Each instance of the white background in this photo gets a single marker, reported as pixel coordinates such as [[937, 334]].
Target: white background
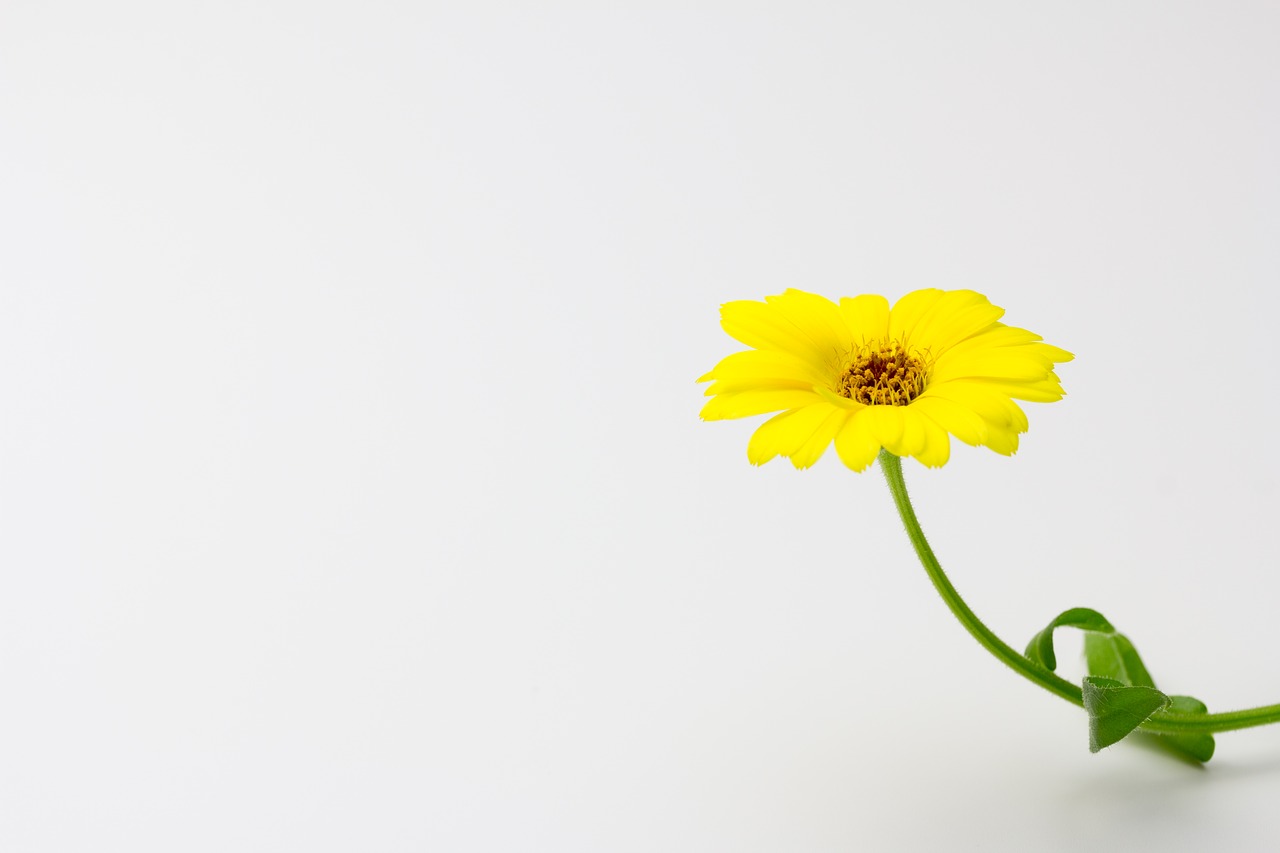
[[352, 491]]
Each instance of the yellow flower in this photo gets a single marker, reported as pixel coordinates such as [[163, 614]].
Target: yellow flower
[[866, 377]]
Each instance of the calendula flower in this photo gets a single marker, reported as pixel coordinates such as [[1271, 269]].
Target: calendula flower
[[864, 377]]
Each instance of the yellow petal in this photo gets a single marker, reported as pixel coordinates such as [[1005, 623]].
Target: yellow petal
[[952, 317], [994, 407], [1046, 391], [867, 318], [816, 445], [742, 386], [761, 326], [960, 421], [818, 318], [762, 364], [998, 335], [791, 432], [886, 425], [763, 445], [836, 400], [1017, 364], [1055, 354], [777, 436], [909, 311], [856, 442], [1004, 442], [1003, 418], [750, 403], [937, 445], [914, 434]]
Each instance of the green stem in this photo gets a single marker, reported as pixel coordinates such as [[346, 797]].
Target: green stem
[[1159, 723]]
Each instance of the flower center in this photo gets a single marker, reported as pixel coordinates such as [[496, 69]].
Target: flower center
[[882, 374]]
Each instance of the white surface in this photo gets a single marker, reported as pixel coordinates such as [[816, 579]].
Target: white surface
[[352, 494]]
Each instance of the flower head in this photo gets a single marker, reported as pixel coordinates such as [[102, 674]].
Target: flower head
[[865, 376]]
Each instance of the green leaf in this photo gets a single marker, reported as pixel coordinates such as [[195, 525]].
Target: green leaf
[[1113, 656], [1197, 746], [1040, 649], [1119, 692], [1116, 709]]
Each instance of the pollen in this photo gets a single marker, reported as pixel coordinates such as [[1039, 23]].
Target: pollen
[[883, 374]]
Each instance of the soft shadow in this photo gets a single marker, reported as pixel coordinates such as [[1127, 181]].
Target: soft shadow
[[1221, 766], [1176, 772], [1157, 744]]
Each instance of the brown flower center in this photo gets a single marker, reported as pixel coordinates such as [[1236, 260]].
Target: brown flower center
[[882, 374]]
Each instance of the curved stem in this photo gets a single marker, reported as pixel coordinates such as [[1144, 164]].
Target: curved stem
[[1162, 723], [892, 467]]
